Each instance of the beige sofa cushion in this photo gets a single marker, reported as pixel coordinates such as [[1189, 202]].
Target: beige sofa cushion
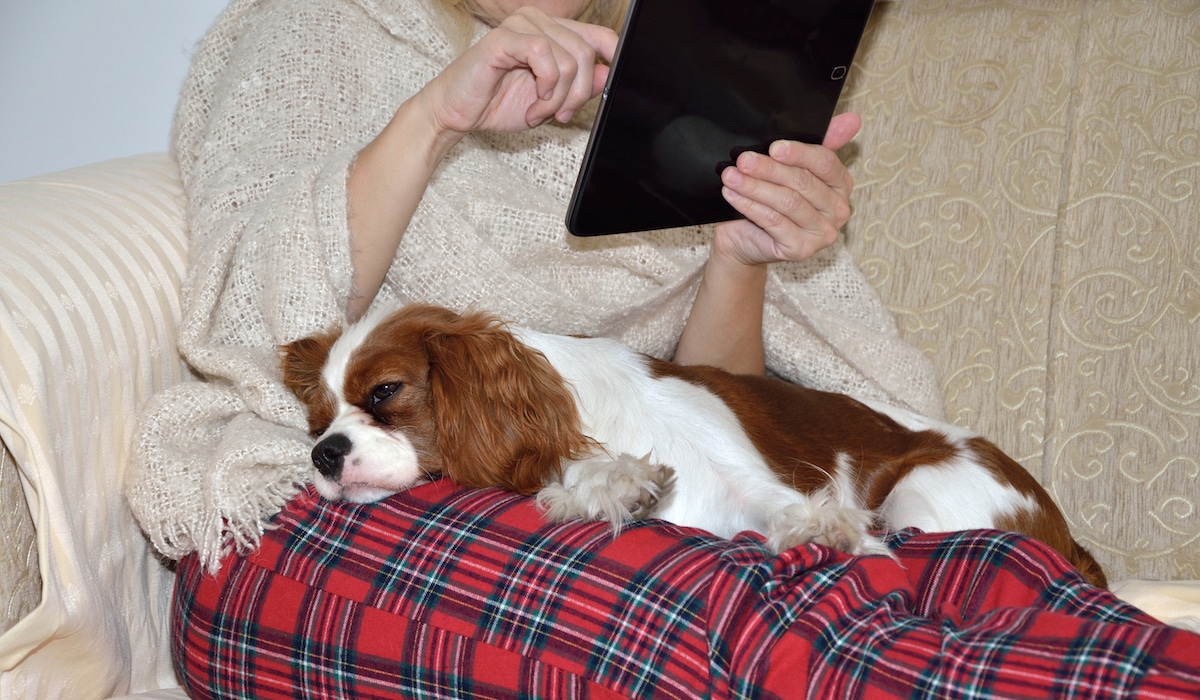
[[89, 278]]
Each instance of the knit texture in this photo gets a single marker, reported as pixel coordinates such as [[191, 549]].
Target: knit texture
[[280, 98]]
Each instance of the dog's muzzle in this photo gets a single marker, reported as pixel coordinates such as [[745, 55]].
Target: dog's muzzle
[[329, 454]]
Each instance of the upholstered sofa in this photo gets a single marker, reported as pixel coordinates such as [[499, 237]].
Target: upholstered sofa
[[1026, 204]]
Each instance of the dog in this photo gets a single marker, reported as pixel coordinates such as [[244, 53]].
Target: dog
[[598, 431]]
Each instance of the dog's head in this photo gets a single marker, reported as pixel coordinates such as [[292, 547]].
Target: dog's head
[[406, 395]]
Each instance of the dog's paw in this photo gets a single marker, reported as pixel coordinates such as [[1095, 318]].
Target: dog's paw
[[558, 503], [641, 486], [608, 489], [825, 519]]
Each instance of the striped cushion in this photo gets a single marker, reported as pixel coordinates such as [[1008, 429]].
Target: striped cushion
[[90, 269], [446, 592]]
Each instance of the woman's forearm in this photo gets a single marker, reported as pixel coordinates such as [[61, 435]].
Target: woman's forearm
[[384, 187], [724, 328]]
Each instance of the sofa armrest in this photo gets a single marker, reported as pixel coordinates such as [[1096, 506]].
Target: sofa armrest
[[92, 263]]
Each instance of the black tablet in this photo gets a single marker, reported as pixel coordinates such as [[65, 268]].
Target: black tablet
[[693, 84]]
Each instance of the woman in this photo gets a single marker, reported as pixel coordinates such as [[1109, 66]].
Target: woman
[[340, 154]]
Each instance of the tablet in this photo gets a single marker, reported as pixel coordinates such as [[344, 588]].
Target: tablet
[[693, 84]]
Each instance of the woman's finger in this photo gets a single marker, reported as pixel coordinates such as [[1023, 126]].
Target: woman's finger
[[782, 238], [807, 167], [795, 193], [842, 129], [795, 199], [591, 48], [527, 70], [575, 47]]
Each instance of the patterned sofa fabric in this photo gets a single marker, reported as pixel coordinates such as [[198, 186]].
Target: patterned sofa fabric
[[21, 583], [1026, 206]]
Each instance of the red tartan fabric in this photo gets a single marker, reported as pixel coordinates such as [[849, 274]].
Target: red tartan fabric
[[445, 592]]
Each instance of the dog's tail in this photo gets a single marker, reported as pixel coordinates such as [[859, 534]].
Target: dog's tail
[[1087, 565]]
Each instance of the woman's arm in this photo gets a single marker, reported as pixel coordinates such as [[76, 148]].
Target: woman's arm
[[528, 70], [724, 328], [795, 201], [385, 185]]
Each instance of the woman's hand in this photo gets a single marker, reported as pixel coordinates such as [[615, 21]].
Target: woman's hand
[[532, 67], [795, 200]]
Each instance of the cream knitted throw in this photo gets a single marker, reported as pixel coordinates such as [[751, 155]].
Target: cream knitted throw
[[281, 96]]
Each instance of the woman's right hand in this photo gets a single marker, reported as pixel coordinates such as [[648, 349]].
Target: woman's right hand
[[531, 68]]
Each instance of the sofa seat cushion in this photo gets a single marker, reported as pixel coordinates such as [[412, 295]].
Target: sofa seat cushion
[[467, 593]]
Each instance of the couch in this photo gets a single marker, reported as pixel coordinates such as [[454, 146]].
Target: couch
[[1025, 204]]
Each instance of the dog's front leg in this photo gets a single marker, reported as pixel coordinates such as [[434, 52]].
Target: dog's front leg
[[607, 488]]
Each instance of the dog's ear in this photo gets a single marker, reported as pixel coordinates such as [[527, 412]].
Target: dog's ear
[[302, 361], [504, 415]]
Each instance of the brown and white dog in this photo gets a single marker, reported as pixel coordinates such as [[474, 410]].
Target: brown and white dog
[[601, 432]]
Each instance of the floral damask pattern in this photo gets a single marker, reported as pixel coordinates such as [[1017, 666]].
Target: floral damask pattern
[[20, 585], [1026, 205]]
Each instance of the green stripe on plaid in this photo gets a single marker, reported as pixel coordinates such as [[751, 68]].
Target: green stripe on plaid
[[533, 587], [654, 603], [445, 531]]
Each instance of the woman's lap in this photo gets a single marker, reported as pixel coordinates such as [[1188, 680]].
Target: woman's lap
[[444, 592]]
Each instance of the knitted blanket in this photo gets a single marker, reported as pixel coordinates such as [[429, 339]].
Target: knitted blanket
[[280, 98]]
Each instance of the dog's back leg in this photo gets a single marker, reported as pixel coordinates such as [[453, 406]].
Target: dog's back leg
[[831, 516]]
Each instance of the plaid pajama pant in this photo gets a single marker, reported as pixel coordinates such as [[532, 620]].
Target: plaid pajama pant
[[445, 592]]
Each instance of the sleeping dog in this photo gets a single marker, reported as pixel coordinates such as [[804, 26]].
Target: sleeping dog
[[600, 432]]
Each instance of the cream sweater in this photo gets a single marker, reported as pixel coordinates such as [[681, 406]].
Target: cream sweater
[[280, 98]]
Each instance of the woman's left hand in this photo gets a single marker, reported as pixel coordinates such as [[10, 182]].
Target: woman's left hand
[[795, 200]]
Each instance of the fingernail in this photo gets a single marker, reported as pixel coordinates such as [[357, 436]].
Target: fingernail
[[732, 176]]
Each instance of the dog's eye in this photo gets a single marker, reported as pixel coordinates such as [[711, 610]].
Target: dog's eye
[[383, 392]]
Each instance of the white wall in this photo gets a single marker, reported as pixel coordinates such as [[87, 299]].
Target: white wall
[[87, 80]]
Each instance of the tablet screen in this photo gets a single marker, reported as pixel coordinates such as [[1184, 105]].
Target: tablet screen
[[696, 82]]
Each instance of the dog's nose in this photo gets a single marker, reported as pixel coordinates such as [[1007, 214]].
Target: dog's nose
[[328, 454]]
